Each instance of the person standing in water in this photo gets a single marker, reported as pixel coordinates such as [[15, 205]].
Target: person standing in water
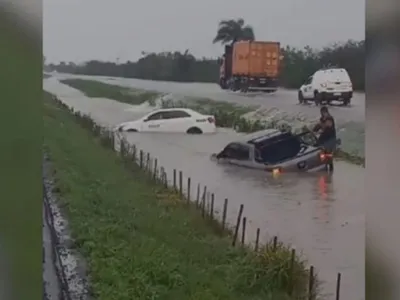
[[327, 129]]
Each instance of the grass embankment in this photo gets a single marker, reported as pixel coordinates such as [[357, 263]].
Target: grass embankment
[[140, 241], [97, 89]]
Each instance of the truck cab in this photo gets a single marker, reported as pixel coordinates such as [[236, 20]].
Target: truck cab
[[222, 81]]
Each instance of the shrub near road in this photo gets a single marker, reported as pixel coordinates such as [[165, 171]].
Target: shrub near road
[[227, 114], [96, 89], [140, 242]]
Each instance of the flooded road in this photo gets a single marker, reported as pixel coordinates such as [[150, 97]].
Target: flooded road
[[285, 100], [321, 215]]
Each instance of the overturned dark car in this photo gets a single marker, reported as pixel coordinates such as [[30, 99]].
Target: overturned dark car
[[275, 151]]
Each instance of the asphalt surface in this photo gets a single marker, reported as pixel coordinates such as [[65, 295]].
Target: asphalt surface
[[321, 215]]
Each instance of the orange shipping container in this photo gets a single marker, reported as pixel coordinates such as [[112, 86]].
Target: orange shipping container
[[256, 59]]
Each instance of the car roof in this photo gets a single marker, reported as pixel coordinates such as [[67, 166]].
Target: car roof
[[332, 72], [188, 110], [262, 134]]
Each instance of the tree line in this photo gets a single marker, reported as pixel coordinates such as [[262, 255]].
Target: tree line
[[297, 64]]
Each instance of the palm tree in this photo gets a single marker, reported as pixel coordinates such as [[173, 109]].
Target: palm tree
[[230, 31]]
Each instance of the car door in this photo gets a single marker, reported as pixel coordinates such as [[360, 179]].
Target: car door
[[307, 89], [154, 122], [176, 121]]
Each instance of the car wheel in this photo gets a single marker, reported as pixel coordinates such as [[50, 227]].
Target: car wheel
[[317, 98], [301, 98], [346, 101], [131, 130], [194, 130]]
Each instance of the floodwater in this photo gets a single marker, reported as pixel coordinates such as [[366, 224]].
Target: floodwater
[[320, 215], [285, 100]]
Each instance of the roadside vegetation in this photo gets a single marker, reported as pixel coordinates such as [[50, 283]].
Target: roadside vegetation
[[140, 240], [233, 116], [296, 67], [228, 115], [97, 89]]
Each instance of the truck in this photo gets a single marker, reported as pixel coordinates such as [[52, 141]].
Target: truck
[[250, 66]]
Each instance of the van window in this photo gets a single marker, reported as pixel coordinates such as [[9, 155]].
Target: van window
[[334, 75], [309, 80]]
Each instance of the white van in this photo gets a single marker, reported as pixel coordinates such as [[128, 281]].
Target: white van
[[326, 86]]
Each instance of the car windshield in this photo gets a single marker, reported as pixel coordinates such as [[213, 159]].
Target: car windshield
[[308, 138]]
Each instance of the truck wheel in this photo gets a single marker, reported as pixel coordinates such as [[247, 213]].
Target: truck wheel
[[317, 98], [222, 84], [244, 87], [233, 86]]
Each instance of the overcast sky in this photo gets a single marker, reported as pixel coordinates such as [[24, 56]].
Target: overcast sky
[[79, 30]]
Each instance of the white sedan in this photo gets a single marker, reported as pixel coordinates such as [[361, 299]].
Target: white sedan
[[172, 120]]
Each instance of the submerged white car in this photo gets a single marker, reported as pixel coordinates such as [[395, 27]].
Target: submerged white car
[[183, 120]]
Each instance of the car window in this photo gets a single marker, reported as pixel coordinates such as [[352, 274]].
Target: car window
[[176, 114], [156, 116], [309, 80], [308, 138], [237, 151]]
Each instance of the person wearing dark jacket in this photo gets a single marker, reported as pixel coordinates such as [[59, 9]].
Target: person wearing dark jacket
[[327, 129]]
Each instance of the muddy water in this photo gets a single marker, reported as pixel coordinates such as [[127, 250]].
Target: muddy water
[[321, 215]]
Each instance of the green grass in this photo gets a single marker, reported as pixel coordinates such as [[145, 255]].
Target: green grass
[[96, 89], [208, 106], [140, 241], [223, 106]]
